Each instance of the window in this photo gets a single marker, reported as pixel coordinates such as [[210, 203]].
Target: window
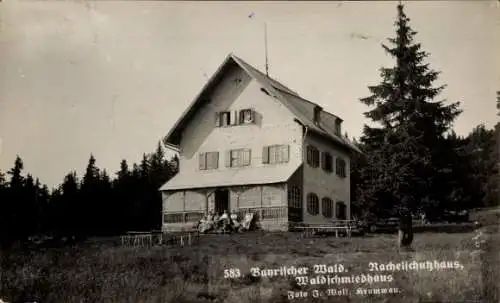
[[173, 218], [276, 154], [312, 204], [338, 127], [327, 162], [294, 197], [229, 118], [223, 119], [238, 157], [193, 216], [312, 156], [341, 211], [317, 114], [327, 207], [209, 160], [340, 167], [247, 116]]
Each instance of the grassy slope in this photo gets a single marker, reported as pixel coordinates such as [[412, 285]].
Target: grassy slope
[[104, 272]]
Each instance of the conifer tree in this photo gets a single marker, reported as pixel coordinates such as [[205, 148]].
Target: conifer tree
[[14, 201], [91, 177], [402, 152], [29, 204], [123, 189], [3, 182], [70, 221], [124, 172], [16, 179], [90, 197]]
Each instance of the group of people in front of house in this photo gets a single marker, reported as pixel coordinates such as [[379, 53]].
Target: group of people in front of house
[[224, 222]]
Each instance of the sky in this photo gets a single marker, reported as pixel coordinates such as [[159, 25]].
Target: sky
[[111, 77]]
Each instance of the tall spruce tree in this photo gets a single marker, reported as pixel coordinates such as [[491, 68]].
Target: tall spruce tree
[[70, 225], [90, 197], [404, 167], [123, 192], [15, 200], [30, 206]]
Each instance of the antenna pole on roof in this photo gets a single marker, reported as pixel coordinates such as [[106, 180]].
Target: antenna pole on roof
[[265, 46]]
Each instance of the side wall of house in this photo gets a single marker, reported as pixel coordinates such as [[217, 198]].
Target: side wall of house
[[295, 190], [325, 184]]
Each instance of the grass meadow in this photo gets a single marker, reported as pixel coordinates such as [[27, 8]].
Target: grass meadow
[[102, 271]]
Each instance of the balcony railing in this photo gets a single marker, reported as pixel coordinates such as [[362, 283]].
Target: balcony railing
[[260, 213]]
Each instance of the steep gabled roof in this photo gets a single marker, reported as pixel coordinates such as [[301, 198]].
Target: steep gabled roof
[[300, 108]]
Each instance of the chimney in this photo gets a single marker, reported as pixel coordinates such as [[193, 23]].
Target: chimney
[[317, 113], [338, 127]]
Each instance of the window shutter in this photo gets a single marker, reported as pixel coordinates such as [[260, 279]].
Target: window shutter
[[215, 159], [308, 155], [252, 115], [203, 162], [316, 157], [241, 118], [265, 154], [286, 153], [228, 158], [323, 160], [217, 119], [246, 157], [232, 117]]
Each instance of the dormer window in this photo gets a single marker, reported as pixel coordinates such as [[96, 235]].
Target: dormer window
[[247, 116], [338, 127], [317, 114]]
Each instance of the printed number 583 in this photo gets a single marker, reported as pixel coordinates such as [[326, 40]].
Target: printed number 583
[[232, 273]]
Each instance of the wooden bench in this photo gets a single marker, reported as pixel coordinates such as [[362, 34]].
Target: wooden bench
[[137, 239], [313, 229], [159, 238]]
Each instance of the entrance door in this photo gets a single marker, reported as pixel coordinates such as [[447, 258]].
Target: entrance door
[[221, 201]]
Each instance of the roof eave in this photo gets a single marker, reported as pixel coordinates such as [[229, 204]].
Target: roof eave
[[174, 130], [337, 141], [216, 186]]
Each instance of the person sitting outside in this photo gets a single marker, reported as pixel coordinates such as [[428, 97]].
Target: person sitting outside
[[247, 221], [210, 216], [225, 221], [216, 221], [201, 222], [210, 224], [234, 220], [205, 223]]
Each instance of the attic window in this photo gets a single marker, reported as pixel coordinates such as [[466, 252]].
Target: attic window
[[338, 127], [317, 113], [265, 91], [247, 116], [223, 119]]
